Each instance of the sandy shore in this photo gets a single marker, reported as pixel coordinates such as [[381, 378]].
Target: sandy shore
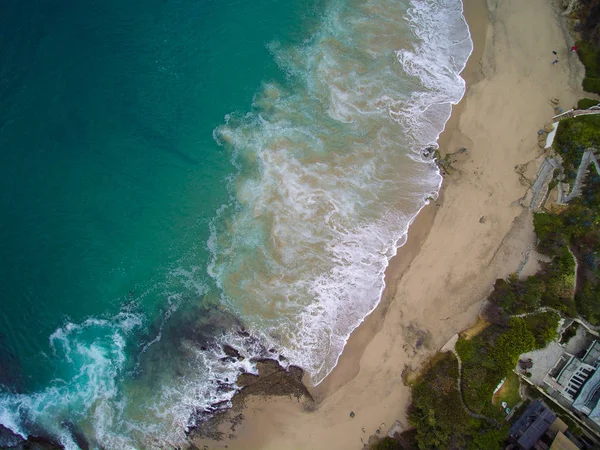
[[476, 232]]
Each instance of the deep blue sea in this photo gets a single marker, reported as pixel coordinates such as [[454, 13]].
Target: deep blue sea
[[177, 175]]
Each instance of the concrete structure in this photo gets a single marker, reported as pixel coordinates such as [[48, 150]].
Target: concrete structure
[[578, 381], [562, 442], [568, 376], [592, 354], [587, 401], [532, 425]]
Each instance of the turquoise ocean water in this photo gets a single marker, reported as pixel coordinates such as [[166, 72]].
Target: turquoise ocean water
[[180, 175]]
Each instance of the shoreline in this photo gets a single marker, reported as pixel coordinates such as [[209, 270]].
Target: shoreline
[[457, 246], [347, 365]]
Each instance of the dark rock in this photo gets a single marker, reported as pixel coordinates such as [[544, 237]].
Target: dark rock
[[40, 443], [232, 352], [272, 380], [228, 359], [8, 439]]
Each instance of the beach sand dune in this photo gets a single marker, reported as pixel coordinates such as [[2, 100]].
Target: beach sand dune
[[476, 232]]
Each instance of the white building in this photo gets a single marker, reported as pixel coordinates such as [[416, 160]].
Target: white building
[[578, 380]]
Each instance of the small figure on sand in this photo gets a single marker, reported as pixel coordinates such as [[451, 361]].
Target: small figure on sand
[[554, 52], [574, 49], [555, 61]]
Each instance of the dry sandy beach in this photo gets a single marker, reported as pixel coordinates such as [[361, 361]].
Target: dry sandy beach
[[476, 232]]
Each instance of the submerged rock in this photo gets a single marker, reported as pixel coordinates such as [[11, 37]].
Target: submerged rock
[[8, 439]]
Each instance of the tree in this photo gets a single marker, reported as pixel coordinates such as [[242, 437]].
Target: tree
[[490, 439], [588, 302], [517, 340]]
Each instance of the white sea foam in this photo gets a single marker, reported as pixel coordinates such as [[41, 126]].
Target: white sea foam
[[333, 172], [95, 349]]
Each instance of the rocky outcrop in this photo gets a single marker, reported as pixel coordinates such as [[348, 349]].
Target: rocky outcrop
[[272, 380]]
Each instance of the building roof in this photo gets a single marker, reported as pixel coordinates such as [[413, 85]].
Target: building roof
[[558, 426], [587, 400], [532, 424], [592, 354], [573, 376], [561, 442]]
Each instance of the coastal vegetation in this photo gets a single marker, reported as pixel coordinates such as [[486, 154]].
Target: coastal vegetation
[[509, 392], [521, 314], [588, 14], [490, 356], [573, 137], [569, 333], [487, 358], [590, 57], [586, 103], [387, 443], [576, 229], [437, 414]]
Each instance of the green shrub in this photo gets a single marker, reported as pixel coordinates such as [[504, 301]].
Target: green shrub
[[488, 358], [551, 231], [510, 345], [544, 328], [503, 296], [569, 333], [586, 103], [574, 135], [560, 294], [436, 410], [588, 302], [590, 57], [387, 443], [591, 85], [560, 281], [515, 297], [490, 438], [529, 293]]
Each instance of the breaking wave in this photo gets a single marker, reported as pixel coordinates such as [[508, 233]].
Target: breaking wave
[[331, 174], [332, 171]]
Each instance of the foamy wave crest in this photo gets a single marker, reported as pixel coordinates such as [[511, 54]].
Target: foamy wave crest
[[97, 401], [331, 173], [437, 57], [96, 350], [200, 380]]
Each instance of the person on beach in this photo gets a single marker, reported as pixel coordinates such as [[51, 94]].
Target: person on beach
[[554, 52], [555, 62], [574, 49]]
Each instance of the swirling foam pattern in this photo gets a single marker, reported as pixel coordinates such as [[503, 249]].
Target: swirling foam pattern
[[331, 171]]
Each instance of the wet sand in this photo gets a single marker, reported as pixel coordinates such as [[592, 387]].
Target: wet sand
[[476, 232]]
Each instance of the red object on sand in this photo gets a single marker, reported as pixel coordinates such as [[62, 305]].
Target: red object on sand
[[574, 48]]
